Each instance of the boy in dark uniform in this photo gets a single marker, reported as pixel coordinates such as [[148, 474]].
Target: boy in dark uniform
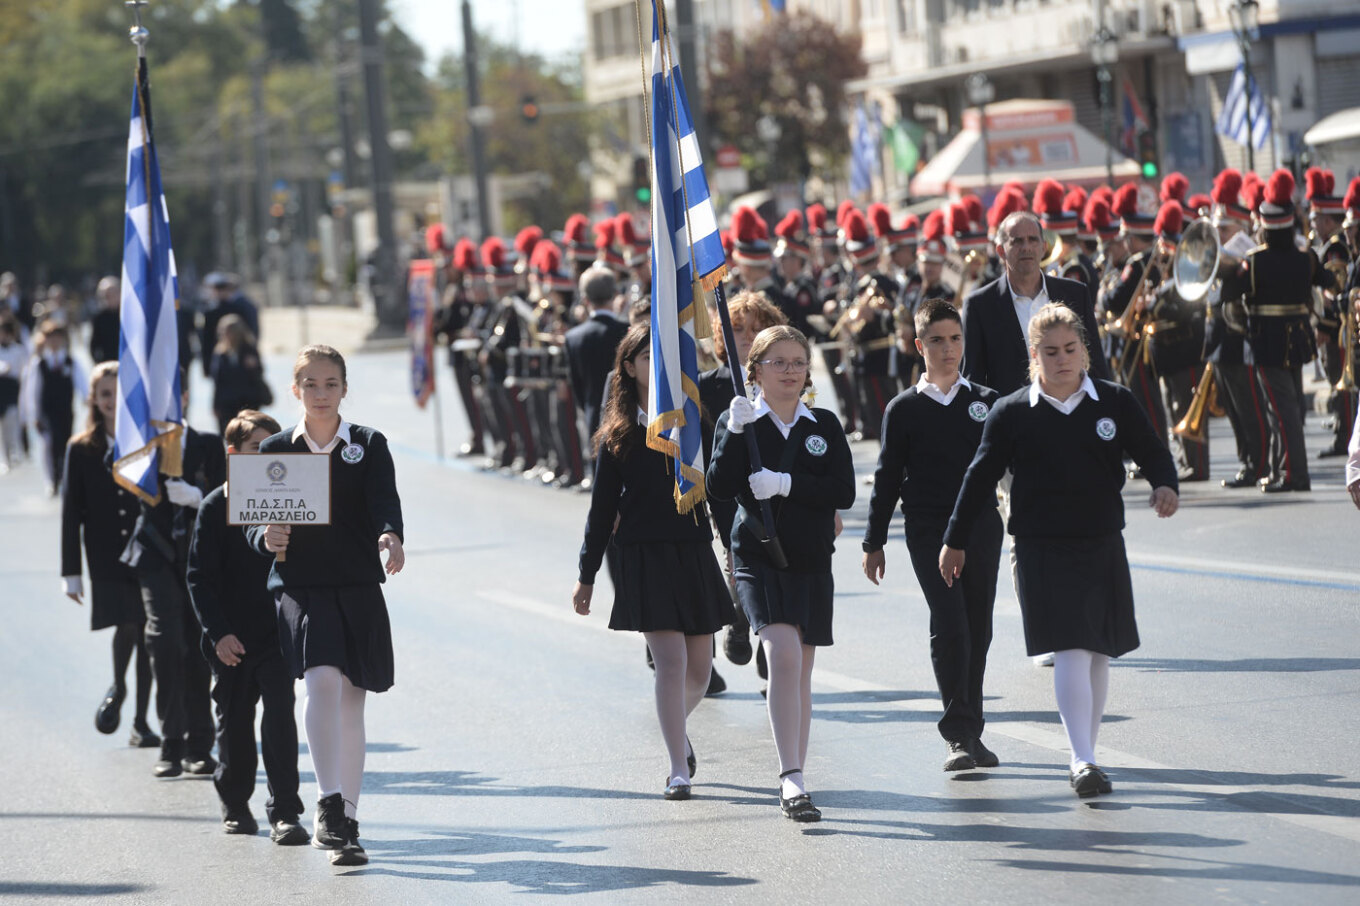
[[930, 435], [228, 584]]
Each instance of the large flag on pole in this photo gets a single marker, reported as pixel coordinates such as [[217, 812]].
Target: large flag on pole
[[1232, 120], [687, 263], [150, 419]]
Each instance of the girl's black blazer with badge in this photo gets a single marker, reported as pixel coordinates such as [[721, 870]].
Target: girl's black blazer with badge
[[364, 506]]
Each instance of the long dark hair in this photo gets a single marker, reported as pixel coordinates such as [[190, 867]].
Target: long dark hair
[[618, 426]]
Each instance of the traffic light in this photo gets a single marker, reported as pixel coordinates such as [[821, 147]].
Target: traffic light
[[528, 109], [1147, 154], [642, 180]]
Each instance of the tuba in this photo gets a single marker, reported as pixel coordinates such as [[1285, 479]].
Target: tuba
[[1197, 260]]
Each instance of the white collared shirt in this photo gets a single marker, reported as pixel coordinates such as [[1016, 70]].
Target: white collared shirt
[[763, 408], [341, 434], [944, 398], [1067, 406], [642, 417], [1027, 306]]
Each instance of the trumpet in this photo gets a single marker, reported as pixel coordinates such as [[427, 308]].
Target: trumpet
[[1348, 326], [1194, 426]]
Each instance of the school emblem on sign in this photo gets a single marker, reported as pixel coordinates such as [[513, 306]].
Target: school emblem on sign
[[1105, 429], [978, 411], [352, 453], [276, 472], [816, 445]]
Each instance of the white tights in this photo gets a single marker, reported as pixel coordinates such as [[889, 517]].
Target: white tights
[[683, 664], [789, 699], [334, 717], [1081, 682]]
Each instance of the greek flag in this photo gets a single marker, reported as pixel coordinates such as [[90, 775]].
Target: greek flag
[[687, 263], [863, 153], [149, 420], [1232, 120]]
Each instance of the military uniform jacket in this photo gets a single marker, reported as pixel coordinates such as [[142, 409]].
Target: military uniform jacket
[[800, 300], [1176, 339], [1333, 250], [1222, 344], [1276, 283]]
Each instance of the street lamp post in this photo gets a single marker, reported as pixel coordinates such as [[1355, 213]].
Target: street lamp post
[[1105, 54], [981, 92], [1245, 16]]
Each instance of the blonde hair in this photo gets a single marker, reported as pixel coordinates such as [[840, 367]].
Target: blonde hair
[[319, 353], [95, 433], [768, 338], [1052, 315], [747, 308]]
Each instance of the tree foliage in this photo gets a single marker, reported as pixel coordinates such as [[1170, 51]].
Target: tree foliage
[[793, 70]]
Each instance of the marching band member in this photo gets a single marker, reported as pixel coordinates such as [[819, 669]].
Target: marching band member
[[636, 255], [798, 290], [574, 239], [453, 326], [1325, 213], [1174, 187], [969, 241], [753, 255], [872, 334], [1111, 253], [555, 289], [508, 332], [930, 257]]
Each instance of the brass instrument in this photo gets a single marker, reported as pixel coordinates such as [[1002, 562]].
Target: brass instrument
[[1195, 424], [1197, 260], [1348, 326], [1133, 324]]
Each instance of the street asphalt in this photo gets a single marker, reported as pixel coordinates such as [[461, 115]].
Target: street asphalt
[[518, 759]]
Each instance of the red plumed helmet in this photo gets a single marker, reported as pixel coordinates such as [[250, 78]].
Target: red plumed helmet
[[725, 236], [1319, 183], [1125, 200], [436, 238], [856, 229], [1104, 192], [816, 218], [575, 230], [526, 239], [1096, 216], [746, 224], [973, 204], [1199, 202], [1075, 200], [493, 253], [957, 219], [881, 219], [1253, 193], [1007, 203], [910, 223], [1353, 194], [842, 211], [604, 234], [933, 226], [790, 228], [1279, 188], [1227, 186], [625, 230], [547, 258], [1174, 187], [1048, 198], [1170, 219], [465, 255]]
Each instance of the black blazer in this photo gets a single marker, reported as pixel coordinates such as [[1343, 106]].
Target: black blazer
[[107, 514], [994, 352], [161, 537], [590, 357]]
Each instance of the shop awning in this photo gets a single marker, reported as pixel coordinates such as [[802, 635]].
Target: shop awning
[[1344, 125]]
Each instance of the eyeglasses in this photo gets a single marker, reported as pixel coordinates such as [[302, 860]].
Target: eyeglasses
[[781, 366]]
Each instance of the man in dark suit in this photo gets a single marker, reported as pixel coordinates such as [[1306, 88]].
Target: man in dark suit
[[996, 316], [591, 346]]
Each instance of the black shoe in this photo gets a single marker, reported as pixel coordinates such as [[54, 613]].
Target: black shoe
[[167, 767], [1280, 486], [199, 765], [691, 759], [716, 684], [960, 758], [240, 821], [762, 669], [471, 450], [350, 853], [1135, 474], [1086, 782], [143, 737], [1240, 480], [329, 826], [107, 715], [1105, 785], [737, 645], [676, 792], [288, 832], [1332, 451], [800, 808], [983, 757]]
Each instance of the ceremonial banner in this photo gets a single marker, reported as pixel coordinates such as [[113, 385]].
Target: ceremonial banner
[[422, 301], [149, 420], [687, 262]]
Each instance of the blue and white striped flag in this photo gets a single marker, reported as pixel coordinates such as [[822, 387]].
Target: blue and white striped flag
[[687, 263], [1232, 120], [150, 418]]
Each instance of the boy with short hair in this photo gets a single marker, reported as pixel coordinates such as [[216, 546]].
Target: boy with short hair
[[228, 584], [930, 433]]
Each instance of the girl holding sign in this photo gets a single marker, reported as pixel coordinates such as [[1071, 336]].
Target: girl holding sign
[[333, 623], [670, 587], [808, 476], [1065, 438]]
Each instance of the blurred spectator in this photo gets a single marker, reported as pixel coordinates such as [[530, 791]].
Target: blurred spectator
[[12, 301], [224, 298], [50, 384], [13, 357], [238, 375], [104, 326]]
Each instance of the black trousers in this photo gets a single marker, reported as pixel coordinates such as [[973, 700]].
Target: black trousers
[[960, 618], [261, 677], [875, 392], [1143, 385], [182, 675], [1279, 387], [834, 357], [1178, 389], [1242, 400], [463, 377], [495, 406], [567, 435]]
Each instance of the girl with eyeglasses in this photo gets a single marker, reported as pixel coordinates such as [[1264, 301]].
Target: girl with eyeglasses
[[808, 475]]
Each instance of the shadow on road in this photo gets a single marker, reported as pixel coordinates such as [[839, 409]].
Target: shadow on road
[[1240, 665], [1237, 872], [57, 889], [1020, 837]]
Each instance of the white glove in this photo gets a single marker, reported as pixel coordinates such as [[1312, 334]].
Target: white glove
[[766, 484], [181, 493], [72, 587], [740, 414]]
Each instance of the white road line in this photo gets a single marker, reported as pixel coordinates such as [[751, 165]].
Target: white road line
[[1253, 568]]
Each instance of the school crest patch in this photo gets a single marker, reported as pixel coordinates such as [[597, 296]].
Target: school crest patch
[[352, 453], [815, 444], [277, 472], [977, 410], [1105, 429]]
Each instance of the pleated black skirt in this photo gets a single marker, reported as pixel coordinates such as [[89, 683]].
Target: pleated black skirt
[[343, 627], [769, 595], [1076, 593], [670, 586], [114, 602]]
